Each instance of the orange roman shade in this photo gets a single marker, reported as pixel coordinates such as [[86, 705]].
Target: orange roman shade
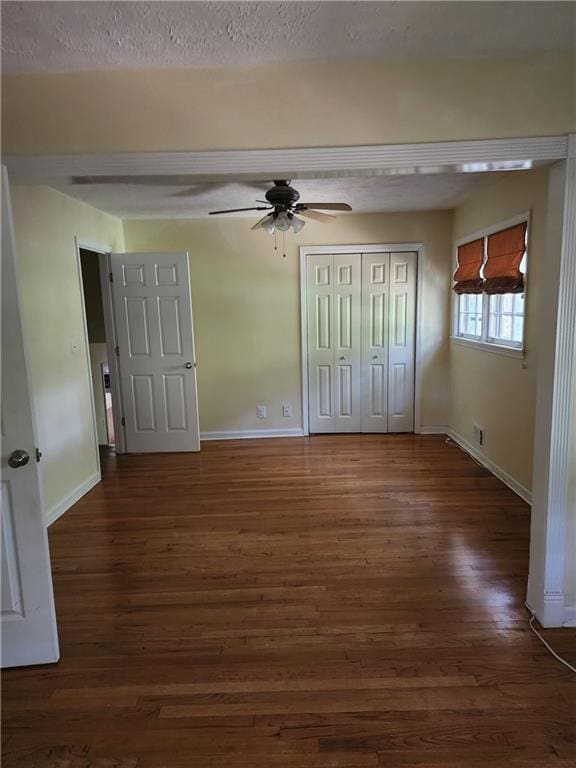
[[502, 269], [467, 275]]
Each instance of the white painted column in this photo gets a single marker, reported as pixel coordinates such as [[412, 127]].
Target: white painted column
[[552, 508]]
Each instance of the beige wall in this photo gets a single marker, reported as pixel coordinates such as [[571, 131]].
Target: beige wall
[[334, 103], [498, 392], [247, 308], [45, 224]]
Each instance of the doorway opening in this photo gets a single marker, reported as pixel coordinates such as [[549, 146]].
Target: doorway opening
[[97, 345]]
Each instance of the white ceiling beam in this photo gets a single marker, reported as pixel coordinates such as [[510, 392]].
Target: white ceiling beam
[[433, 157]]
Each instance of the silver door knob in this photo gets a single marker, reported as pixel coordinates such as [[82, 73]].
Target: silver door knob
[[375, 357], [18, 459], [342, 358], [188, 365]]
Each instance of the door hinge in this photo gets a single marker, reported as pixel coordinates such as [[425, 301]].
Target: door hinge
[[111, 276], [123, 421], [38, 455], [117, 351]]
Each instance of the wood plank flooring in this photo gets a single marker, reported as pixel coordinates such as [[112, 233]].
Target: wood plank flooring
[[326, 602]]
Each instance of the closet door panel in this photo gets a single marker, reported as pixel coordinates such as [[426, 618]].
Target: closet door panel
[[401, 336], [347, 349], [375, 311], [320, 295]]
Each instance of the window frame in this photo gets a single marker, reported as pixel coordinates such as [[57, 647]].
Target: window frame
[[485, 341]]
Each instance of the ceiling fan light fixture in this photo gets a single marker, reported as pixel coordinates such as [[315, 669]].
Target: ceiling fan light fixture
[[282, 221], [268, 225], [297, 224]]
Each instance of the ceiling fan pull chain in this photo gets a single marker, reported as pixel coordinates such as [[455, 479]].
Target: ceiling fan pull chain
[[275, 243], [283, 244]]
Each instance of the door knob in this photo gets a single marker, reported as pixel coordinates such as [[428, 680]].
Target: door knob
[[188, 365], [375, 357], [342, 358], [18, 459]]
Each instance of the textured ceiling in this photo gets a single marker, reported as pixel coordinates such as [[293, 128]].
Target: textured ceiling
[[369, 194], [70, 36]]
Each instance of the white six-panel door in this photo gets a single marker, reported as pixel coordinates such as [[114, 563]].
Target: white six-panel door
[[375, 299], [334, 343], [361, 333], [401, 338], [28, 620], [153, 317]]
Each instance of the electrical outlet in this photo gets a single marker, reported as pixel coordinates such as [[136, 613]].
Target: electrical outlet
[[287, 410], [261, 411], [478, 435]]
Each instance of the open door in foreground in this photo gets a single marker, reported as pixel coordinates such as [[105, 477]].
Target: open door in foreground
[[28, 620]]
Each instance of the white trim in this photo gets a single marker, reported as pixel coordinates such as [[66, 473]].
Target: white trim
[[78, 244], [432, 157], [569, 616], [251, 434], [304, 341], [418, 340], [358, 250], [507, 479], [431, 430], [52, 514], [550, 612], [554, 422], [319, 250], [111, 342], [483, 346]]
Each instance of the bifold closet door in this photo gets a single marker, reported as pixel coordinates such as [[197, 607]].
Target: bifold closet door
[[375, 312], [334, 342], [401, 341], [361, 342]]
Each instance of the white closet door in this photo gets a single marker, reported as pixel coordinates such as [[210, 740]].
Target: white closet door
[[347, 343], [334, 353], [375, 311], [401, 339]]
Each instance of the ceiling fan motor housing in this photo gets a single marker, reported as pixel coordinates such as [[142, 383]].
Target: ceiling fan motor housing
[[282, 196]]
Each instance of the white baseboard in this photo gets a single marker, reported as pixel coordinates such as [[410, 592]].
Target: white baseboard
[[52, 514], [443, 430], [569, 616], [251, 434], [513, 484]]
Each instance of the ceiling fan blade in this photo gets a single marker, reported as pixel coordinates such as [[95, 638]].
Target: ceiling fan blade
[[325, 218], [258, 224], [327, 206], [238, 210]]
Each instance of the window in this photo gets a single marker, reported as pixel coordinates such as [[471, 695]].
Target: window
[[506, 319], [492, 265], [470, 315]]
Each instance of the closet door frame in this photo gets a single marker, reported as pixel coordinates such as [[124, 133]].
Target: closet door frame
[[309, 250]]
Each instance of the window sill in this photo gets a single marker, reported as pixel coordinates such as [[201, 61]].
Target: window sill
[[498, 349]]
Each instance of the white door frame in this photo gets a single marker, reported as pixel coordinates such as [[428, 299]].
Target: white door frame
[[553, 409], [112, 345], [312, 250], [102, 251]]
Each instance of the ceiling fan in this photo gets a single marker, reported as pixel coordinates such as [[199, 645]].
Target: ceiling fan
[[284, 210]]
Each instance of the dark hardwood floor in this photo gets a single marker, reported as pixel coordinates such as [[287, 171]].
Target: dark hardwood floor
[[333, 602]]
